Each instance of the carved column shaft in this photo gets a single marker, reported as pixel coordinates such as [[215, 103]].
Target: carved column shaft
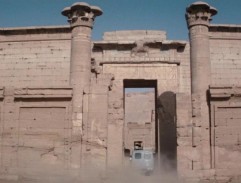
[[200, 59], [80, 65], [198, 17], [81, 17]]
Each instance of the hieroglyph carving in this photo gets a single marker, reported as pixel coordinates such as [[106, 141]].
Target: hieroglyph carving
[[140, 49]]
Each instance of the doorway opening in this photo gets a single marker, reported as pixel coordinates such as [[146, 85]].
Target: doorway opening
[[140, 124]]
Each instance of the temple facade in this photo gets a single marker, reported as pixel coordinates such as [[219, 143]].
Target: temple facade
[[66, 114]]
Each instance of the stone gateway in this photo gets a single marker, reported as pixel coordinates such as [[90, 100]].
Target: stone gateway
[[74, 110]]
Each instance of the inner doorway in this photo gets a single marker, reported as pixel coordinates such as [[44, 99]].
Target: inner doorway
[[140, 115]]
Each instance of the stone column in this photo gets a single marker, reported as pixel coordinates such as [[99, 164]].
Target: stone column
[[81, 17], [198, 16]]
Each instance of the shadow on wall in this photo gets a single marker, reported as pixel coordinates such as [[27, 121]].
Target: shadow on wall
[[166, 114]]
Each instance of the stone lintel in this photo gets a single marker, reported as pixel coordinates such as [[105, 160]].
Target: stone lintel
[[225, 91], [34, 30], [56, 92], [113, 42], [47, 33], [140, 61], [225, 28], [175, 43]]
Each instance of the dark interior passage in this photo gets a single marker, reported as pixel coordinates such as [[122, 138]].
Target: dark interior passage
[[166, 112]]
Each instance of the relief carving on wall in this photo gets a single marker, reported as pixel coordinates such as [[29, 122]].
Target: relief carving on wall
[[140, 49], [95, 68], [196, 105]]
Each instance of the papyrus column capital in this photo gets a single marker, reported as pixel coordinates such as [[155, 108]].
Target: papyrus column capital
[[199, 13], [81, 14]]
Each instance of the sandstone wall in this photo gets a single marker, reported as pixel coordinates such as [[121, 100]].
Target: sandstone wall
[[36, 136], [35, 133], [139, 106], [225, 50], [184, 71], [140, 119], [34, 57], [225, 131], [226, 75], [95, 142]]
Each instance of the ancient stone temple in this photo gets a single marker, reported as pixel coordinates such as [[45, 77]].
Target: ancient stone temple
[[68, 112]]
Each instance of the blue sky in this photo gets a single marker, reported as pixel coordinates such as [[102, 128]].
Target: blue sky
[[165, 15], [139, 90]]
